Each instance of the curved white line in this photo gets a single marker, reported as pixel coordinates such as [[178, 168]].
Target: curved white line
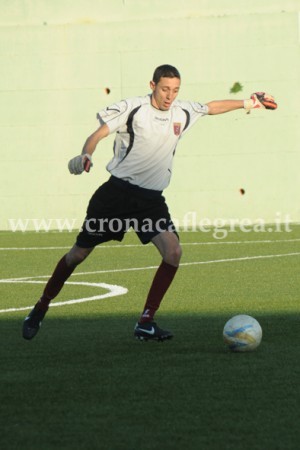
[[113, 291]]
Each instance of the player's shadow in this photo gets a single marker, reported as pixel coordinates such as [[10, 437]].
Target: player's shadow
[[113, 334]]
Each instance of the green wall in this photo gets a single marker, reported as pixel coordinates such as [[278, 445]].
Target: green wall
[[59, 56]]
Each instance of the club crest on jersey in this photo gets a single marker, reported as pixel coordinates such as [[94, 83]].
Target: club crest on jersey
[[177, 128]]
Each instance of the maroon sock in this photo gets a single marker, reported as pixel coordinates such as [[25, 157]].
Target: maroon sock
[[161, 282], [55, 283]]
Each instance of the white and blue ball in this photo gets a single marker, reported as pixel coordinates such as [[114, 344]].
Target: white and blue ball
[[242, 333]]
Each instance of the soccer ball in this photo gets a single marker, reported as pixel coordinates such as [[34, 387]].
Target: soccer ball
[[242, 333]]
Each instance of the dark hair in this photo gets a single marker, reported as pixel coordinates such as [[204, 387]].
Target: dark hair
[[166, 71]]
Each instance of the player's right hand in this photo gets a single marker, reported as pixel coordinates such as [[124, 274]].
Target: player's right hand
[[80, 163]]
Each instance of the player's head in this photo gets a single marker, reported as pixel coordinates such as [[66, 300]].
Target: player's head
[[165, 86], [165, 71]]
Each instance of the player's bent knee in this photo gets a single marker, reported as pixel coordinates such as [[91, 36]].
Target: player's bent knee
[[173, 255], [77, 255], [178, 252]]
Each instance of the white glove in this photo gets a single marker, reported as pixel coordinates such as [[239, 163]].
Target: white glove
[[80, 163]]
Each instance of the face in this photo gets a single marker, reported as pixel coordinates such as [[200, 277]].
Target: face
[[164, 92]]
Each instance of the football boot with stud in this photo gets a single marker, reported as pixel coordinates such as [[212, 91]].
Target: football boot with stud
[[150, 331], [32, 323]]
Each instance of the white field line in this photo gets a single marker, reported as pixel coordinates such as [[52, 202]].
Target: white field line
[[103, 246], [214, 261], [134, 269], [115, 290]]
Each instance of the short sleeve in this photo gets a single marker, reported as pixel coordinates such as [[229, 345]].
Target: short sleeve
[[199, 108], [114, 116]]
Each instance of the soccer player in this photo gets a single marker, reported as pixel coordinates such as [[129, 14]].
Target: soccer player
[[147, 131]]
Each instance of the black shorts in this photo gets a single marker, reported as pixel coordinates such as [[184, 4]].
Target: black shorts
[[117, 206]]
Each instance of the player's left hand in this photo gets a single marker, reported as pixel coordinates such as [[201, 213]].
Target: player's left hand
[[263, 100], [260, 100], [80, 163]]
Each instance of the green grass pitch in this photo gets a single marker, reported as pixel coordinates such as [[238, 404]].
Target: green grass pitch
[[84, 382]]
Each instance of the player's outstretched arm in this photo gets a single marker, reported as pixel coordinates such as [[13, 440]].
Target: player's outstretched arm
[[224, 106], [84, 161], [258, 100]]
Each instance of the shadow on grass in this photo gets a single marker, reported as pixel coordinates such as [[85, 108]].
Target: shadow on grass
[[87, 383]]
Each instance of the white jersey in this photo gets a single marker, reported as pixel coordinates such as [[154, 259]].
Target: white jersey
[[146, 138]]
